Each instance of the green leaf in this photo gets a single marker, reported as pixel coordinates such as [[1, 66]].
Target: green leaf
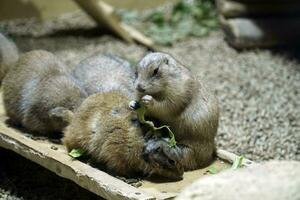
[[161, 34], [199, 31], [141, 117], [184, 28], [187, 18], [237, 162], [182, 7], [198, 13], [76, 153], [172, 141], [213, 170], [211, 23], [157, 18]]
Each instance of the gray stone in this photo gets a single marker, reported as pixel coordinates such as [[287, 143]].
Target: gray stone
[[274, 180]]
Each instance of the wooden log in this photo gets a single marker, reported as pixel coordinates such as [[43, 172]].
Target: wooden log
[[225, 155], [232, 8], [259, 32], [104, 15], [139, 37]]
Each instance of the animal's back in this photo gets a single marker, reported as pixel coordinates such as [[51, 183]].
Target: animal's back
[[9, 55], [39, 93], [22, 79], [103, 73]]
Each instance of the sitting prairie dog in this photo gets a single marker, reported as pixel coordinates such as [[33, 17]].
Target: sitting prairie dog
[[102, 73], [175, 97], [39, 94], [8, 55], [108, 131]]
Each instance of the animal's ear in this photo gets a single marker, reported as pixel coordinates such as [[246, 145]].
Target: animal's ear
[[61, 114]]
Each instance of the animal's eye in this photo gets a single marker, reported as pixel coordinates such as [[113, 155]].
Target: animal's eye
[[155, 72], [166, 61]]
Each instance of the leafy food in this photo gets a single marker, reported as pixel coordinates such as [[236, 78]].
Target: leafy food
[[76, 153], [213, 170], [237, 162], [141, 110]]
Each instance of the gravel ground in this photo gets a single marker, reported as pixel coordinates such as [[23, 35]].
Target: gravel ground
[[259, 91]]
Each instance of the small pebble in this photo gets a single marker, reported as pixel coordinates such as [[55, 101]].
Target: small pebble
[[54, 147]]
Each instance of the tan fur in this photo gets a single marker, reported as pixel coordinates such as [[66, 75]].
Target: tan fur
[[104, 129], [39, 94], [181, 101]]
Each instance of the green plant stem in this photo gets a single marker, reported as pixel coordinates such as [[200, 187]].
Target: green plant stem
[[141, 116]]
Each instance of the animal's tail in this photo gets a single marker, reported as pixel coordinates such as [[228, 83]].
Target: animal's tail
[[9, 55]]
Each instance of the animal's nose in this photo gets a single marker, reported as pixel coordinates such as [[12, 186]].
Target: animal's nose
[[140, 88]]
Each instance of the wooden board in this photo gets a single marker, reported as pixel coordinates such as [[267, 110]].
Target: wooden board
[[55, 158]]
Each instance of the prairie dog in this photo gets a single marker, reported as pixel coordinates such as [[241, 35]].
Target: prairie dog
[[176, 98], [103, 73], [39, 94], [108, 131], [9, 55]]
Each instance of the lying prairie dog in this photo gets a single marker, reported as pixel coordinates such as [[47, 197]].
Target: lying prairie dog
[[175, 97], [102, 73], [39, 94], [108, 131]]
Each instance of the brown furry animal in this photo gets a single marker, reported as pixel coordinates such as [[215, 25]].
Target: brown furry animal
[[108, 131], [102, 73], [176, 98], [39, 94], [8, 55]]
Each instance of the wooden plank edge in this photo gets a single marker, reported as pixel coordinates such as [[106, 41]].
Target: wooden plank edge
[[82, 174], [95, 180]]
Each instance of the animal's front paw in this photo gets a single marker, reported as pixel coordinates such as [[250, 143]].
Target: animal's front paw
[[147, 100], [60, 114], [159, 152]]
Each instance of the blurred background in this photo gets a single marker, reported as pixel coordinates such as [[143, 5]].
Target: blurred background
[[245, 50], [44, 9]]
